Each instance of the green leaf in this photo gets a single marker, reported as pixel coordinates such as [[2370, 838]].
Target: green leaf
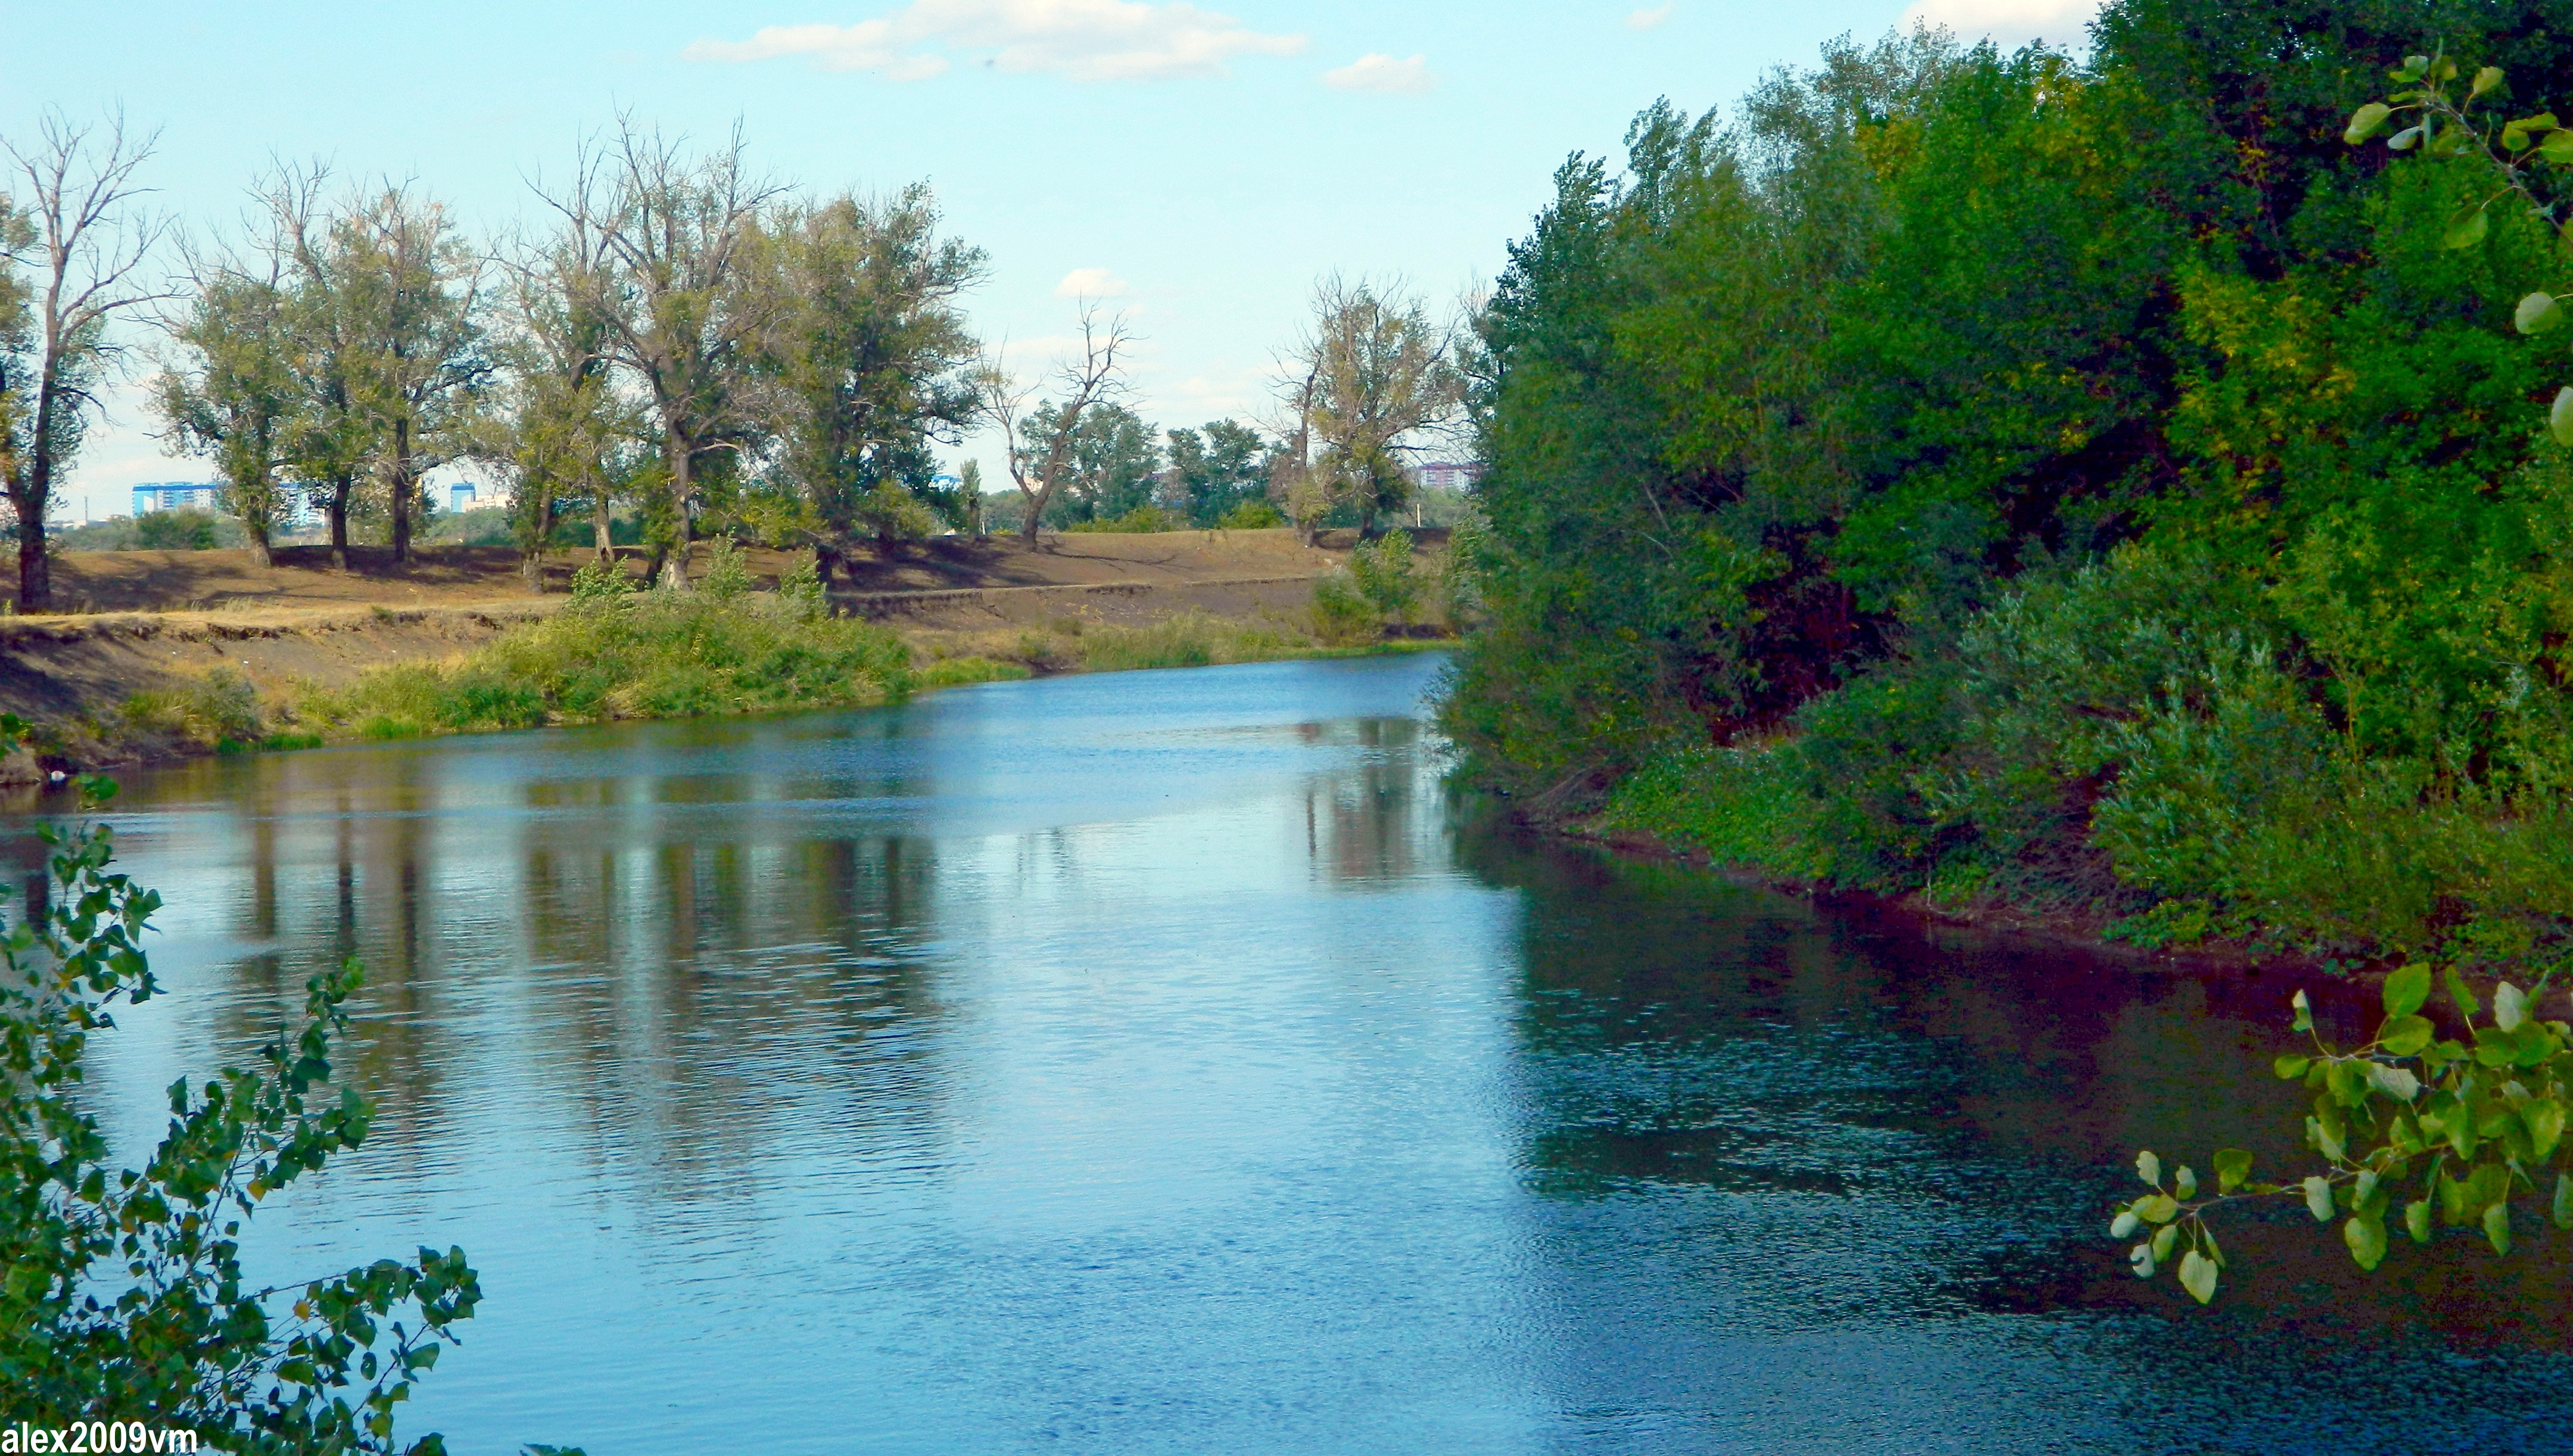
[[2124, 1224], [2466, 228], [2318, 1199], [2290, 1067], [2510, 1007], [2417, 1221], [2197, 1275], [2459, 991], [2544, 121], [2166, 1239], [2141, 1257], [2498, 1228], [2537, 313], [2184, 1182], [2305, 1011], [2233, 1166], [2485, 80], [2559, 418], [2156, 1209], [2563, 1210], [2404, 140], [2405, 1036], [2514, 137], [2366, 1241], [2394, 1082], [2407, 990], [2557, 148], [2149, 1169], [2544, 1118], [2365, 122]]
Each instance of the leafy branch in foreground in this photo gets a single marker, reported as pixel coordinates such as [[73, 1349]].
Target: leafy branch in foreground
[[2465, 1127], [2473, 127], [124, 1298]]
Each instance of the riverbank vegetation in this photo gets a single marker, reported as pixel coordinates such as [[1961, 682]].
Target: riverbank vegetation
[[2096, 486], [125, 1301]]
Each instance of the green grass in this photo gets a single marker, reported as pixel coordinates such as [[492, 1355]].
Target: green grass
[[642, 656], [1744, 806]]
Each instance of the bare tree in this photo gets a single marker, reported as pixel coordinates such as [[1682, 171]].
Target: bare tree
[[1041, 466], [1370, 382], [681, 317], [80, 235]]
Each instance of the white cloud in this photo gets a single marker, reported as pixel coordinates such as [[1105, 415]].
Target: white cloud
[[2009, 22], [1091, 283], [1086, 40], [1647, 19], [1377, 72]]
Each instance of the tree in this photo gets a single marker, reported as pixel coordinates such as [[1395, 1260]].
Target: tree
[[1108, 459], [566, 434], [869, 359], [233, 395], [79, 235], [415, 294], [1220, 467], [683, 317], [1042, 459], [1369, 378], [331, 438]]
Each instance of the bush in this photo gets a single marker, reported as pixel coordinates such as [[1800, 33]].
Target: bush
[[615, 653], [1344, 616], [1184, 639], [174, 530], [1383, 573], [222, 708], [1251, 515], [125, 1297], [1142, 519]]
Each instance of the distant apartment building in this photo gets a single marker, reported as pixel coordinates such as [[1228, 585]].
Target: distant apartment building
[[1446, 476], [459, 497], [176, 495]]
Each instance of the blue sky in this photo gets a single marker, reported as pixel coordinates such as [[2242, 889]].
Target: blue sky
[[1198, 166]]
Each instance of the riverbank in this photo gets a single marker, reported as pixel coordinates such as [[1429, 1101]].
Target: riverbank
[[127, 687]]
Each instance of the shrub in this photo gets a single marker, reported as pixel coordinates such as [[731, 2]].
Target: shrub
[[1250, 515], [174, 530], [1142, 519], [1344, 616], [125, 1298], [1383, 573], [613, 653], [218, 709], [727, 570]]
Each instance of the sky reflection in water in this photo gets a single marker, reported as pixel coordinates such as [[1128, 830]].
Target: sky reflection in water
[[1161, 1061]]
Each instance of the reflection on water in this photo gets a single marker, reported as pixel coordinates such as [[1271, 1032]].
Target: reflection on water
[[1165, 1062]]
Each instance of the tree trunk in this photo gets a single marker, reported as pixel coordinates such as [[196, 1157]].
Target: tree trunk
[[337, 509], [674, 568], [35, 568], [403, 485], [259, 555], [601, 521], [826, 561], [531, 567]]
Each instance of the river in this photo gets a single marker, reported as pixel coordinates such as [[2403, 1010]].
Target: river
[[1167, 1063]]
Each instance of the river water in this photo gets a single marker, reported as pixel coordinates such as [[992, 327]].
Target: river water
[[1167, 1063]]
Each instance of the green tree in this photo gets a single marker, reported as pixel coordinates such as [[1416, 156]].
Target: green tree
[[69, 252], [415, 295], [564, 435], [234, 393], [1371, 377], [870, 361], [1221, 468], [684, 313], [330, 439], [1108, 459]]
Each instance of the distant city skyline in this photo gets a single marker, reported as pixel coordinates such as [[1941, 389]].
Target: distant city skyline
[[1198, 169]]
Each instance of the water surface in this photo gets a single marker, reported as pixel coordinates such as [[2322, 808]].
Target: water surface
[[1164, 1063]]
